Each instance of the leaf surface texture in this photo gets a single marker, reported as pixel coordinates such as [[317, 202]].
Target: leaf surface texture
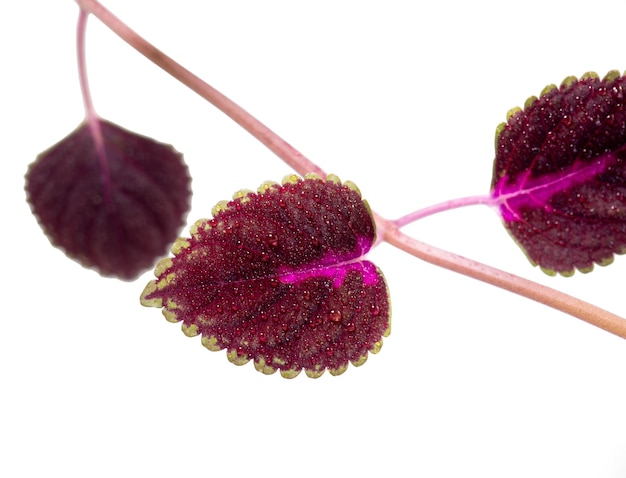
[[279, 277], [559, 174], [114, 201]]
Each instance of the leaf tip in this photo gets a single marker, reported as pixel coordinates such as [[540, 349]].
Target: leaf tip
[[360, 361], [170, 316], [219, 207], [353, 187], [237, 358], [499, 130], [530, 101], [606, 262], [333, 178], [179, 245], [211, 343], [512, 112], [548, 89], [377, 346], [312, 176], [612, 75], [291, 373], [335, 372], [568, 81], [162, 266], [190, 330], [241, 194], [315, 372], [260, 365], [290, 179], [147, 291], [265, 186], [589, 75]]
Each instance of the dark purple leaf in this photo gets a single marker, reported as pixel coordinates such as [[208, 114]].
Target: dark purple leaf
[[560, 174], [114, 206], [279, 277]]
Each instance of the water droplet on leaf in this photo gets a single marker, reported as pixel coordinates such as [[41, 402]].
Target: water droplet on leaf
[[289, 296], [335, 316]]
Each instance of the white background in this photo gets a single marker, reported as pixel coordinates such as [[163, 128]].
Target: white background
[[403, 100]]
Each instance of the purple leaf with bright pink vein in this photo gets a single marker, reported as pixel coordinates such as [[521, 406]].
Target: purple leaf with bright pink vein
[[109, 198], [279, 277], [560, 174]]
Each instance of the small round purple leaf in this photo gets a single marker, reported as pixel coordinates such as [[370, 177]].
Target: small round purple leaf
[[114, 201]]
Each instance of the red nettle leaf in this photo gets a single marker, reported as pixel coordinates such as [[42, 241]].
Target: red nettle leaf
[[111, 199], [279, 277], [560, 174]]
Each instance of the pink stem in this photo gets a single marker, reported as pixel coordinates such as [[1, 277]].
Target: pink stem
[[271, 140], [445, 206], [388, 230], [91, 117], [82, 64], [551, 297]]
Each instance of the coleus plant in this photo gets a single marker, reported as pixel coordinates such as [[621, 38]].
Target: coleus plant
[[279, 276]]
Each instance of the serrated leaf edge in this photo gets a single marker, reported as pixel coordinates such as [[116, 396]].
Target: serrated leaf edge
[[210, 342], [567, 82]]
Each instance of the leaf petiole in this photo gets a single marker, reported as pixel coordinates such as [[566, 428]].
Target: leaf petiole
[[485, 199], [271, 140], [91, 117], [545, 295]]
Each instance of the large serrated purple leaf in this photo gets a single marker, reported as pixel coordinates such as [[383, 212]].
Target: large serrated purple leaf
[[279, 277], [113, 202], [560, 174]]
